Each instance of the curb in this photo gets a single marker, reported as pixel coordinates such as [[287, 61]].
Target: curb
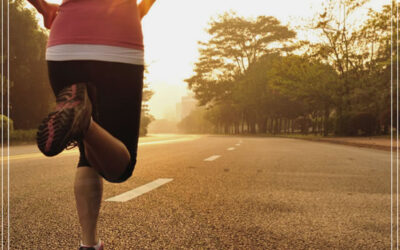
[[354, 144]]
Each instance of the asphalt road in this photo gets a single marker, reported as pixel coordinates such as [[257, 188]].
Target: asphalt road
[[266, 193]]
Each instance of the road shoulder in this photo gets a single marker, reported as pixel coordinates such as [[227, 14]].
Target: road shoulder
[[381, 143]]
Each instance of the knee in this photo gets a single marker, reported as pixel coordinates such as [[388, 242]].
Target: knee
[[126, 175]]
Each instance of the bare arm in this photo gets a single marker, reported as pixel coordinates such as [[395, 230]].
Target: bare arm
[[144, 7], [48, 10], [40, 5]]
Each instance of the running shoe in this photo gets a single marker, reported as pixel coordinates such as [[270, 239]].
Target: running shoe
[[99, 246], [68, 123]]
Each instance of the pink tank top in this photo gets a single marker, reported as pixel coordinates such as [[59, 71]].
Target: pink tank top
[[105, 22]]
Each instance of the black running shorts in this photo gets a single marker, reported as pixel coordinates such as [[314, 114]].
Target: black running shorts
[[115, 90]]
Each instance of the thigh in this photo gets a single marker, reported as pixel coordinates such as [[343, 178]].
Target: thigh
[[65, 73], [118, 99]]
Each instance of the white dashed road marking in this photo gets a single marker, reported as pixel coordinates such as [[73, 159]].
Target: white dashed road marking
[[139, 190], [212, 158], [230, 149]]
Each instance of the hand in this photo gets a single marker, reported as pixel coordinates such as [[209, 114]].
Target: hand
[[49, 13]]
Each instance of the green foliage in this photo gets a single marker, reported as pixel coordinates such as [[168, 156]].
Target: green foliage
[[18, 136], [235, 44], [145, 118], [196, 122], [250, 83], [361, 58], [30, 94], [6, 123]]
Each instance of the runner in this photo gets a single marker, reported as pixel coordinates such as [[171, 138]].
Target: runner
[[95, 57]]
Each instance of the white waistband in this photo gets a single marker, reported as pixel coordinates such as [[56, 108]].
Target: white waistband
[[68, 52]]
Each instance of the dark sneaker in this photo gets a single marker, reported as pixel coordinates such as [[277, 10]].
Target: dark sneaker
[[68, 123], [99, 246]]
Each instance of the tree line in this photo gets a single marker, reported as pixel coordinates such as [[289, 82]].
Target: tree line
[[254, 76]]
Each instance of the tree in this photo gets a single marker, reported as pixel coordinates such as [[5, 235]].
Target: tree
[[380, 58], [196, 122], [235, 44], [145, 118], [308, 82], [30, 94], [342, 80], [337, 49]]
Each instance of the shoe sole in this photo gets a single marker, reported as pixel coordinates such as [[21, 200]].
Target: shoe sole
[[92, 248], [57, 130]]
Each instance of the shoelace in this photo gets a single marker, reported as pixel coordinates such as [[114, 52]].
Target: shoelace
[[63, 100]]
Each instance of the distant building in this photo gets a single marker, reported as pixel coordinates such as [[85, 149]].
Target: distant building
[[187, 105], [162, 126]]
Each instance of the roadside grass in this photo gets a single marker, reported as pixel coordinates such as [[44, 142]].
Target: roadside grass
[[19, 136], [307, 136], [23, 137], [314, 136]]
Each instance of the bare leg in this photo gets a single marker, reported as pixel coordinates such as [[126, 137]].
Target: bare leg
[[88, 192], [106, 153]]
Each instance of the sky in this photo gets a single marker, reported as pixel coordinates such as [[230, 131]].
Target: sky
[[173, 28]]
